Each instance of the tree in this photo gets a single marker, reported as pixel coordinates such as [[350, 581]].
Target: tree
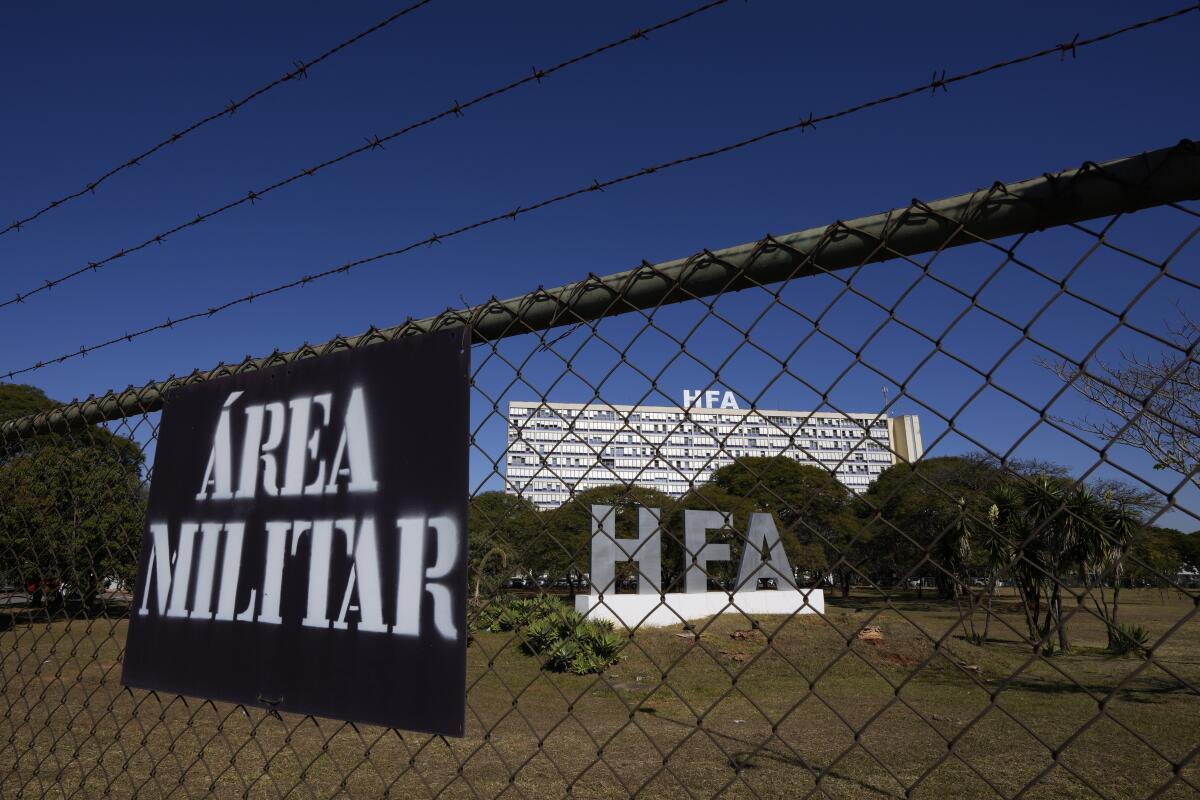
[[1158, 554], [1148, 402], [1054, 528], [921, 516], [708, 497], [20, 400], [563, 549], [71, 516], [809, 504], [500, 528], [850, 550], [781, 485], [1187, 548], [72, 507]]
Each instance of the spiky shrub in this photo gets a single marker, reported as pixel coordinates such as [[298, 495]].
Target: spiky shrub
[[485, 618], [1130, 640], [510, 614], [586, 646], [551, 628], [602, 651], [562, 654], [540, 635], [581, 646], [565, 639]]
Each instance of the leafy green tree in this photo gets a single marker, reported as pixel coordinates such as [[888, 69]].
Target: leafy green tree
[[919, 517], [852, 552], [809, 504], [500, 528], [563, 551], [1187, 548], [71, 516], [72, 505], [1157, 555], [708, 497], [784, 487], [20, 400]]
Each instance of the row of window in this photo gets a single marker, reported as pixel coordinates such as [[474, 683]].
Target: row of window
[[702, 437], [521, 476], [743, 426], [565, 457], [791, 420], [551, 494]]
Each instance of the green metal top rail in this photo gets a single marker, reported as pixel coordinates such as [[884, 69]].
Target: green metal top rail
[[1160, 177]]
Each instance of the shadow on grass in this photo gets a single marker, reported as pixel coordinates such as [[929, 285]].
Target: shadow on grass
[[1149, 689], [860, 604], [744, 759], [911, 602]]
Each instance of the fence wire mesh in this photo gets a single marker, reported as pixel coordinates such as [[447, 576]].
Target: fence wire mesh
[[1008, 609]]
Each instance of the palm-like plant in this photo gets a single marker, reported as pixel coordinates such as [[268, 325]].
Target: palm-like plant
[[1118, 532], [1047, 529], [1019, 551]]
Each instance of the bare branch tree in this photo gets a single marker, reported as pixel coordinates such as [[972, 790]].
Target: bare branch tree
[[1149, 402]]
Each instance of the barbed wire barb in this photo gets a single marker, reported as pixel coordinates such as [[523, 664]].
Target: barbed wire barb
[[377, 143], [300, 70], [630, 176], [969, 651]]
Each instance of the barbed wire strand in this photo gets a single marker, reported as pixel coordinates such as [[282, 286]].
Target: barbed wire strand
[[935, 83], [299, 72], [372, 144]]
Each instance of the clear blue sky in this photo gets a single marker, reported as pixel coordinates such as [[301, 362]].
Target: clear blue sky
[[86, 86]]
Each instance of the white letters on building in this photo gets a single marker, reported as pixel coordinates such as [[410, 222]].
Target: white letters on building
[[556, 450], [709, 398]]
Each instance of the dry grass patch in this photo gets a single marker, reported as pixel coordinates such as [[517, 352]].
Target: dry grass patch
[[736, 707]]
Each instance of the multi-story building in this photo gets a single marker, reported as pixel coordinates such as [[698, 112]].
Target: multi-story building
[[555, 449]]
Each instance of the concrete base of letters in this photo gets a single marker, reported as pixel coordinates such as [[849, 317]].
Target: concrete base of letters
[[655, 611]]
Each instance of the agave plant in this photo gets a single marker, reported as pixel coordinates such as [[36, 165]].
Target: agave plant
[[1126, 640], [567, 640], [606, 646], [562, 655], [540, 635]]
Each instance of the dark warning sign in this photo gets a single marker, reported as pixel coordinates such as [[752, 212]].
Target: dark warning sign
[[306, 542]]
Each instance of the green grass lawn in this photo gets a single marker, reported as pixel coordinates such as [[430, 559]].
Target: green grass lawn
[[792, 708]]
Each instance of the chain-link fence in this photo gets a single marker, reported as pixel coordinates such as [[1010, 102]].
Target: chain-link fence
[[1007, 597]]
